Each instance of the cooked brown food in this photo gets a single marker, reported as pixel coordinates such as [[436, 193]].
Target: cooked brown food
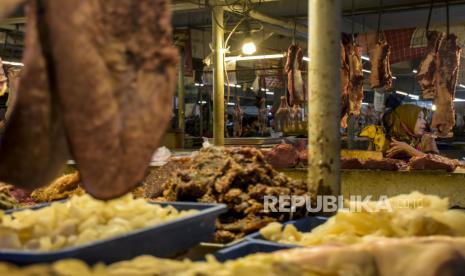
[[62, 188], [433, 162], [109, 68], [7, 200], [238, 177], [153, 183]]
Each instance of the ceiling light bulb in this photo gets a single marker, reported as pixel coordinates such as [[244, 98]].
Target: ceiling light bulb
[[248, 47]]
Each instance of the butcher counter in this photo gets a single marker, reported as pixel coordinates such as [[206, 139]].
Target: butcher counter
[[390, 183]]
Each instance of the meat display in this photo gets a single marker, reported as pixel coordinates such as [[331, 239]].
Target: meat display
[[282, 156], [427, 77], [238, 177], [153, 183], [33, 148], [433, 162], [351, 164], [295, 83], [262, 117], [62, 188], [283, 116], [447, 72], [355, 79], [13, 82], [380, 77], [237, 115], [345, 82], [109, 69], [387, 164]]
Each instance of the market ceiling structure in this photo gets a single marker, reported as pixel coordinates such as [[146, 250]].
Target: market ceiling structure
[[362, 15]]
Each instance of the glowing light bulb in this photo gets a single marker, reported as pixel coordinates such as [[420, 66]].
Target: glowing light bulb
[[433, 107], [249, 48]]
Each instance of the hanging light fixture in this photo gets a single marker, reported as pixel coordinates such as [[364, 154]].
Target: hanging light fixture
[[248, 46]]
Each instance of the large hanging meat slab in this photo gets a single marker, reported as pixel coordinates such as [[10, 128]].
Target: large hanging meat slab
[[33, 148], [295, 83], [380, 77], [109, 68], [427, 76], [345, 83], [448, 63], [355, 79]]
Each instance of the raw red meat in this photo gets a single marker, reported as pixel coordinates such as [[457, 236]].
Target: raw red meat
[[283, 156], [447, 71], [427, 77], [295, 84], [355, 79], [433, 162], [380, 77], [386, 164], [351, 164]]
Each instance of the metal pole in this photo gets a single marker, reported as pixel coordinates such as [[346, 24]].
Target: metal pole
[[218, 75], [181, 101], [324, 90]]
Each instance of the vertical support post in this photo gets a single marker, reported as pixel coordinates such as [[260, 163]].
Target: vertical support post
[[218, 75], [181, 99], [324, 96]]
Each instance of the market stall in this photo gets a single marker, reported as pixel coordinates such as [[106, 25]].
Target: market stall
[[287, 180]]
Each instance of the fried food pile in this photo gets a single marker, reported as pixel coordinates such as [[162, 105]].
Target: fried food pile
[[153, 183], [62, 188], [238, 177], [429, 256], [412, 215], [80, 220]]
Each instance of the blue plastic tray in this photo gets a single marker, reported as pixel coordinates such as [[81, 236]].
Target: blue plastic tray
[[163, 240], [303, 225], [248, 247]]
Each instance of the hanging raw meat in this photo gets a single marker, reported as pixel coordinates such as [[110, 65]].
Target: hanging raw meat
[[8, 6], [262, 117], [238, 115], [282, 115], [109, 67], [355, 79], [447, 71], [345, 80], [380, 77], [33, 148], [13, 82], [295, 83], [427, 76]]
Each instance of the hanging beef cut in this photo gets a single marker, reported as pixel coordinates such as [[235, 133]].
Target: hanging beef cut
[[427, 76], [109, 69], [355, 79], [295, 83], [380, 77], [33, 148], [448, 63], [345, 82]]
